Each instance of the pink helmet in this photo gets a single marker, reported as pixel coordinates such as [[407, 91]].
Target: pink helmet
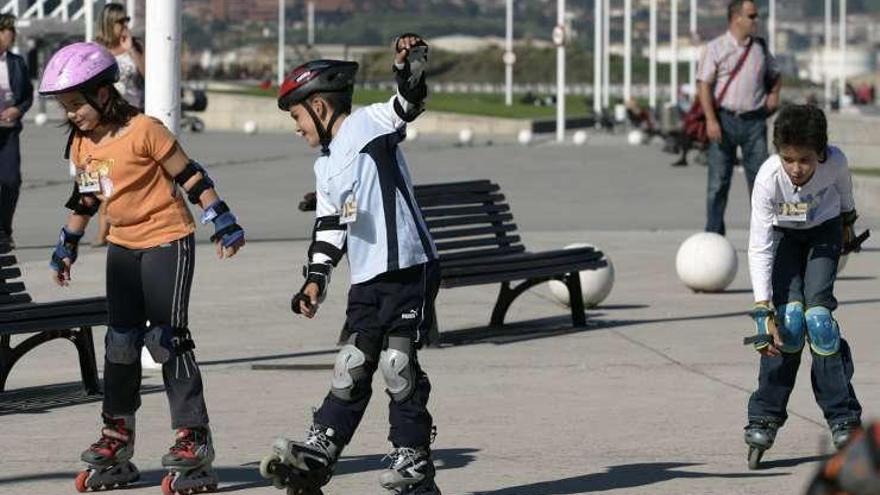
[[76, 66]]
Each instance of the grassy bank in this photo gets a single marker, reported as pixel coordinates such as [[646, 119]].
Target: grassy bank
[[488, 105]]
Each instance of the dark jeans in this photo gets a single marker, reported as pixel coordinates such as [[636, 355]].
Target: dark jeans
[[748, 132], [804, 269], [153, 284], [375, 310], [10, 177]]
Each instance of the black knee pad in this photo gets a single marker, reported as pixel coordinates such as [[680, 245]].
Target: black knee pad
[[123, 344], [165, 342]]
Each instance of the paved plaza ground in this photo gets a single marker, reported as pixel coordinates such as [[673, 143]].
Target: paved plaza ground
[[649, 398]]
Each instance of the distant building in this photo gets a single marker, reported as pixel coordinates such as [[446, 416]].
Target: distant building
[[244, 10]]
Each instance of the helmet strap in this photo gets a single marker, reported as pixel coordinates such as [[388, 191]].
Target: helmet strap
[[325, 134]]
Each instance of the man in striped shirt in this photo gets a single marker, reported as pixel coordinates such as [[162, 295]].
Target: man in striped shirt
[[736, 118]]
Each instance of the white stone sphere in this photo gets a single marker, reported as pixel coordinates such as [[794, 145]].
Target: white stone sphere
[[41, 119], [706, 262], [635, 137], [147, 362], [250, 127], [412, 133], [595, 284], [466, 136], [524, 137], [579, 138]]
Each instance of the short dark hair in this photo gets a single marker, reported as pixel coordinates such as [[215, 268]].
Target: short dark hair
[[802, 126], [7, 21], [338, 100], [735, 7]]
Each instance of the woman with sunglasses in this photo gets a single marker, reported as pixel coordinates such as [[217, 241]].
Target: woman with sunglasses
[[117, 38]]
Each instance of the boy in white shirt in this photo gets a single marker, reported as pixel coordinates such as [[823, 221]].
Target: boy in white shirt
[[365, 209], [802, 221]]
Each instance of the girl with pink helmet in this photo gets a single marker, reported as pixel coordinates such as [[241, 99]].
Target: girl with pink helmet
[[134, 166]]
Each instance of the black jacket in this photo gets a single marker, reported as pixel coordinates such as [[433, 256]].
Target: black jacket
[[19, 83]]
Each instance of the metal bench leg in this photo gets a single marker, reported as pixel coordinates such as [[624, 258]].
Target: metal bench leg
[[506, 296], [88, 365], [6, 361], [576, 301]]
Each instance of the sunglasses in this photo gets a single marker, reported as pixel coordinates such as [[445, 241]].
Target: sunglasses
[[753, 16], [124, 20]]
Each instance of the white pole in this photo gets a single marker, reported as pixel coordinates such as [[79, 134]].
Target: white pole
[[597, 58], [163, 62], [131, 11], [771, 26], [311, 23], [89, 14], [560, 73], [652, 63], [606, 53], [627, 50], [826, 59], [281, 25], [65, 11], [842, 41], [695, 37], [673, 48], [508, 56]]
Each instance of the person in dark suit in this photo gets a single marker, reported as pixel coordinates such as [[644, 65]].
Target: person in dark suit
[[16, 96]]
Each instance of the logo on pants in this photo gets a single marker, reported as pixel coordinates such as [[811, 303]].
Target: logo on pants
[[410, 315]]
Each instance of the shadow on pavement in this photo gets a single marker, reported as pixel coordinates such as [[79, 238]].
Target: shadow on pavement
[[235, 478], [624, 476]]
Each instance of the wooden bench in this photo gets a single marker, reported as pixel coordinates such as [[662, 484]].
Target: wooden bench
[[478, 244], [72, 320]]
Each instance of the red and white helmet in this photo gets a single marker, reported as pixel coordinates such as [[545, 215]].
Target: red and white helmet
[[317, 76]]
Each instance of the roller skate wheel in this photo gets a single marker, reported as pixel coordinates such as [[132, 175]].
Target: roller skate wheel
[[80, 481], [168, 484], [755, 456], [267, 466]]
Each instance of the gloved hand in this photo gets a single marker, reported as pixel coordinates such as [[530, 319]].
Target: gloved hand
[[767, 340], [228, 235], [64, 255]]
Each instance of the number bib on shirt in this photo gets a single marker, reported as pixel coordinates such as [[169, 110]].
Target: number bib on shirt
[[792, 212], [349, 210]]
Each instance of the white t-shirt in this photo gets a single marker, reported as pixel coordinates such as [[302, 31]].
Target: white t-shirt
[[365, 181], [130, 84], [776, 202]]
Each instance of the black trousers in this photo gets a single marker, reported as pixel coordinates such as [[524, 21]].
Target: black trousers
[[10, 177], [153, 285], [399, 304]]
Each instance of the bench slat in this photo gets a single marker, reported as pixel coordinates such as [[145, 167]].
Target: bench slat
[[60, 309], [12, 288], [495, 257], [463, 210], [60, 323], [13, 299], [508, 276], [474, 255], [515, 263], [458, 199], [9, 273], [455, 188], [473, 232], [448, 245], [7, 260], [468, 220]]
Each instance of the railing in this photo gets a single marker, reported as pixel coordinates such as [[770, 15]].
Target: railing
[[38, 10]]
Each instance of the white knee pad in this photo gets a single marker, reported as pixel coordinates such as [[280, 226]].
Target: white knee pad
[[350, 372], [397, 368]]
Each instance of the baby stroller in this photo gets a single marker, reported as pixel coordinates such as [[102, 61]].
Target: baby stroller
[[192, 100]]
